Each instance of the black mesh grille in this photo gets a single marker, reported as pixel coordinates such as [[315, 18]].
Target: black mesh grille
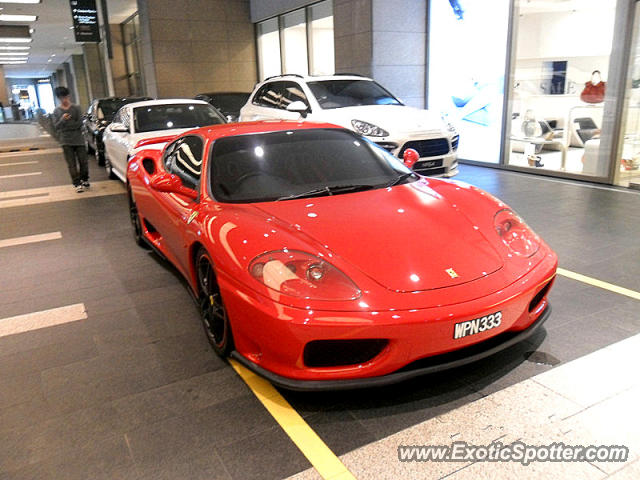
[[334, 353], [427, 148]]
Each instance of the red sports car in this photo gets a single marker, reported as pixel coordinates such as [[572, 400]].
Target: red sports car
[[321, 261]]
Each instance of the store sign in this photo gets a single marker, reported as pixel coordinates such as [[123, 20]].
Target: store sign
[[467, 62], [85, 20]]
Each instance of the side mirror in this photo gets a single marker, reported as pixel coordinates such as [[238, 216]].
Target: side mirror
[[170, 183], [298, 107], [410, 157], [118, 127]]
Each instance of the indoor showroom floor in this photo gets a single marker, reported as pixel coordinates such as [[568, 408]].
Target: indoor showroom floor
[[105, 371]]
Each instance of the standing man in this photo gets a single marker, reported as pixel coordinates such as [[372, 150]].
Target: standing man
[[67, 120]]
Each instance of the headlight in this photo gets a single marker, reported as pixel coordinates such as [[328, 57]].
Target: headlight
[[368, 129], [516, 234], [301, 274]]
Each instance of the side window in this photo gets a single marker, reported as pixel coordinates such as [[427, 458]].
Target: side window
[[124, 115], [292, 92], [269, 95], [184, 158]]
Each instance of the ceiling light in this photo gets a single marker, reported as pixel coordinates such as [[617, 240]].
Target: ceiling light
[[17, 18], [12, 47], [19, 54], [15, 40], [21, 1], [13, 63]]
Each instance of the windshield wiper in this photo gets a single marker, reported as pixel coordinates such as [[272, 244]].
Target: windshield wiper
[[328, 190], [399, 179]]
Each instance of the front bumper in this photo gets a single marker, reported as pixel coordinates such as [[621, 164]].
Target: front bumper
[[418, 368], [272, 338]]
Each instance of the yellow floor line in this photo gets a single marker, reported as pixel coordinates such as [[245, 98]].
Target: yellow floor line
[[599, 283], [326, 463]]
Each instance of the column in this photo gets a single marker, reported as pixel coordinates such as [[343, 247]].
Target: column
[[196, 46]]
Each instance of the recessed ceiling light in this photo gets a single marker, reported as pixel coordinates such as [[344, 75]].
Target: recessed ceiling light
[[53, 54], [13, 63], [17, 18], [16, 39], [16, 47], [19, 54], [21, 1]]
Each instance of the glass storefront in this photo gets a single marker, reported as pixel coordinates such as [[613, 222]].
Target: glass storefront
[[299, 42], [131, 44], [536, 85], [558, 86]]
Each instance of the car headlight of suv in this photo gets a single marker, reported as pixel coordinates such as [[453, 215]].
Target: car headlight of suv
[[515, 233], [368, 129], [302, 275]]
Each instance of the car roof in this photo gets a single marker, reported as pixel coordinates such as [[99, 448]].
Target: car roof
[[213, 132], [165, 101], [209, 94], [316, 78]]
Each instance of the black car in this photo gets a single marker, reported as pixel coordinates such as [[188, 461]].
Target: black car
[[227, 103], [99, 115]]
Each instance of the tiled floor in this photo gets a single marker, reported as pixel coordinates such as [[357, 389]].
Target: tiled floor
[[133, 391]]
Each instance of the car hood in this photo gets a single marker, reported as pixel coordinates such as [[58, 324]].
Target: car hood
[[393, 118], [410, 238]]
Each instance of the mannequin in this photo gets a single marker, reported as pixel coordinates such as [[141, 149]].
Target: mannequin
[[594, 89]]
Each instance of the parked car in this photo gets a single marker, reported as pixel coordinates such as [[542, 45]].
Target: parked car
[[227, 103], [321, 261], [98, 116], [151, 124], [362, 105]]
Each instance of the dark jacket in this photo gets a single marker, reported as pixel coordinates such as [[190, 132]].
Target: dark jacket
[[69, 131]]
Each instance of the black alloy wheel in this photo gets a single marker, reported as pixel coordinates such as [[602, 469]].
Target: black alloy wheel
[[136, 223], [212, 310]]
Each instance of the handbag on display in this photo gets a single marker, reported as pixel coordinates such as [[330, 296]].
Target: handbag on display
[[594, 89]]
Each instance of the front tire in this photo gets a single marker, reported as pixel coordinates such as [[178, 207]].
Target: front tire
[[212, 310]]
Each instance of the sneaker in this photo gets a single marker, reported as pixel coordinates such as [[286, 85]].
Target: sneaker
[[86, 184], [79, 188]]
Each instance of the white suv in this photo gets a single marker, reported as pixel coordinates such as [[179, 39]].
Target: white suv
[[362, 105]]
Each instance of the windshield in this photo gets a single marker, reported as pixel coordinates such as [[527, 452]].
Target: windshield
[[297, 163], [174, 115], [350, 93], [111, 106]]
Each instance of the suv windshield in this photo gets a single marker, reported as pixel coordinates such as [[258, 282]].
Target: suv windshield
[[300, 163], [350, 93], [110, 106], [174, 115]]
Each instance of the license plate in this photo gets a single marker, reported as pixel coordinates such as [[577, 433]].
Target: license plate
[[477, 325]]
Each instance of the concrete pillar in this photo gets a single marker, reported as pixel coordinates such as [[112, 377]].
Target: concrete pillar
[[196, 46], [95, 70], [80, 75], [389, 47], [4, 92]]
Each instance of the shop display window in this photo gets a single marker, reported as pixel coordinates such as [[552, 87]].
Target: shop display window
[[558, 91]]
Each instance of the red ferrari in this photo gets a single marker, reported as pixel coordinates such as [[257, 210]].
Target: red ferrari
[[321, 261]]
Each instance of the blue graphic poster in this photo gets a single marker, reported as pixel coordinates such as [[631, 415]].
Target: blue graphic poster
[[467, 61]]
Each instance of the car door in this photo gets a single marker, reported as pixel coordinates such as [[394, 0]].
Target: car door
[[184, 159], [292, 92], [121, 143], [265, 104]]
